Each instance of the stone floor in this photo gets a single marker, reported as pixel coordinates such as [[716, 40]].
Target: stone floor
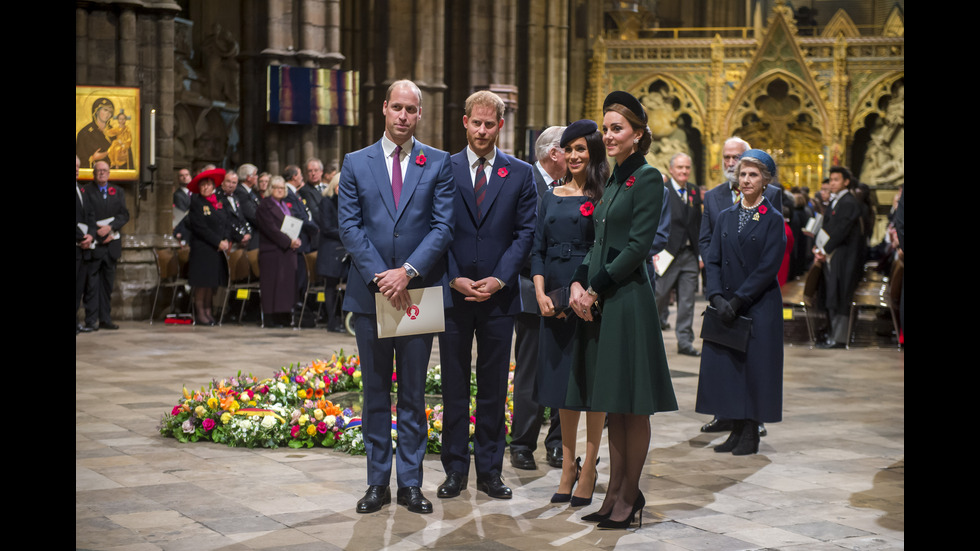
[[830, 476]]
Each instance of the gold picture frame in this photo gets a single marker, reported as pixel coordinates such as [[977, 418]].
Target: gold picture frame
[[107, 127]]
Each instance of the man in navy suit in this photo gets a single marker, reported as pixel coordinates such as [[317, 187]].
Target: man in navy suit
[[106, 204], [396, 221], [83, 242], [719, 198], [495, 204]]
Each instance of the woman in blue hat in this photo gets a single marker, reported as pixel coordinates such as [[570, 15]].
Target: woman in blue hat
[[742, 263]]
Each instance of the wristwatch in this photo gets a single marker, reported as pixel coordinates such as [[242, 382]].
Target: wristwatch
[[591, 292], [410, 270]]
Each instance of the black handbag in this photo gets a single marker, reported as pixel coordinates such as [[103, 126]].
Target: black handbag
[[734, 335], [560, 298]]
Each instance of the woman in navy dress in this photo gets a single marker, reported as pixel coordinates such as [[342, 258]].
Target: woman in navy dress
[[742, 263], [564, 234]]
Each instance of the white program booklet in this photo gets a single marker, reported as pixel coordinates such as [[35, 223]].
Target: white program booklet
[[663, 262], [813, 225], [291, 226], [426, 315]]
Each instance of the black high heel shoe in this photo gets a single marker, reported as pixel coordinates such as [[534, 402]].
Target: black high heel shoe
[[565, 498], [625, 523], [583, 501]]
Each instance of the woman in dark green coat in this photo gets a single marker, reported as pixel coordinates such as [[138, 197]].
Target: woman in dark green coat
[[618, 364]]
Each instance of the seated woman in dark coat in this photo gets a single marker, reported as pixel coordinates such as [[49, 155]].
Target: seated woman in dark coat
[[210, 233], [742, 262], [277, 256]]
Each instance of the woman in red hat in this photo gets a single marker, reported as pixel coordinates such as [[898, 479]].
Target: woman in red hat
[[210, 231]]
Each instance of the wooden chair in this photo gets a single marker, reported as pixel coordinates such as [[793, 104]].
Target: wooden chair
[[168, 275], [878, 294], [314, 284], [239, 277], [801, 293]]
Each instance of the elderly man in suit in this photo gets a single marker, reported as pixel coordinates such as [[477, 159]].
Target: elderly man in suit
[[719, 198], [495, 204], [106, 213], [549, 170], [842, 256], [682, 244], [396, 220], [248, 199]]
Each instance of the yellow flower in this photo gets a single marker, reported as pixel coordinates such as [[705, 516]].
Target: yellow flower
[[318, 413], [357, 375], [199, 411], [437, 424], [234, 406], [302, 394], [213, 402], [311, 430], [225, 417], [303, 419]]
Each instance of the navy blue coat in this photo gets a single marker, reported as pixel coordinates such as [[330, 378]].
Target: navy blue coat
[[749, 385]]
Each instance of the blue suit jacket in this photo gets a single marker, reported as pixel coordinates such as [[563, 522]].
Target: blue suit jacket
[[719, 198], [379, 237], [499, 243]]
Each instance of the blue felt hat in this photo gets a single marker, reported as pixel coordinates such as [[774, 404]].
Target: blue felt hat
[[763, 158]]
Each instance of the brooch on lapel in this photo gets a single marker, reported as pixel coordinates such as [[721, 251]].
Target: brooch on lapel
[[502, 172], [420, 160], [630, 181]]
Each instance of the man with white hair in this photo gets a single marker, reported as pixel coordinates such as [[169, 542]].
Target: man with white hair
[[549, 170]]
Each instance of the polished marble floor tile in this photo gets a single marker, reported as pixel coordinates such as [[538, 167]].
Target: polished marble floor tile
[[831, 476]]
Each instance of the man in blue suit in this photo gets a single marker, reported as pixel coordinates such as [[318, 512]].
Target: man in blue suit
[[495, 204], [719, 198], [396, 221]]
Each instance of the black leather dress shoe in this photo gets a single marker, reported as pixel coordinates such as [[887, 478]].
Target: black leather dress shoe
[[523, 459], [85, 329], [411, 497], [374, 499], [689, 351], [762, 429], [555, 457], [717, 425], [454, 484], [494, 487], [829, 344], [108, 325]]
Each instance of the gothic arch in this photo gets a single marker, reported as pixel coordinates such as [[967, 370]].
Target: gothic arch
[[878, 139], [780, 113], [676, 119]]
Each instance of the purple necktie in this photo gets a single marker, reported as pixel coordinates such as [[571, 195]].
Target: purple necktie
[[480, 189], [396, 174]]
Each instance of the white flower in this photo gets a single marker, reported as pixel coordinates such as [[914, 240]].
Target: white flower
[[268, 422]]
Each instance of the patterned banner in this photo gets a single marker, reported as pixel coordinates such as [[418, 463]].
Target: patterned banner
[[301, 95]]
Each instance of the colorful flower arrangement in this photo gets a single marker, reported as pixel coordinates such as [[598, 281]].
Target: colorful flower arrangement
[[292, 408]]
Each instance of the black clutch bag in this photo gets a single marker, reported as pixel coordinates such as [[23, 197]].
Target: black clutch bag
[[559, 298], [529, 303], [734, 335]]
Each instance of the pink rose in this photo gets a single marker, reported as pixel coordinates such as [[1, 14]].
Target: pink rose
[[175, 411], [321, 427], [208, 424], [294, 431]]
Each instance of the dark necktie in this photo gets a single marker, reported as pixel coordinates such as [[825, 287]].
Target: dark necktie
[[396, 174], [480, 189]]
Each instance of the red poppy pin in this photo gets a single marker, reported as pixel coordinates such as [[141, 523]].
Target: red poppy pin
[[420, 160], [630, 180], [289, 205], [112, 191], [762, 209], [218, 205], [587, 208], [502, 172]]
